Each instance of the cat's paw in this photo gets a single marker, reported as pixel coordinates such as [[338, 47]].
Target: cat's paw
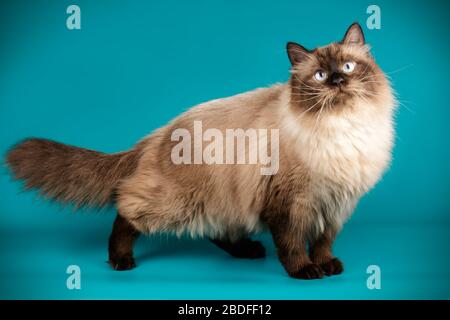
[[332, 267], [308, 272], [122, 263], [249, 249]]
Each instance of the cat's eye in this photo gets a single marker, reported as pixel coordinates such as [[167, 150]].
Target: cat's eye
[[320, 75], [348, 67]]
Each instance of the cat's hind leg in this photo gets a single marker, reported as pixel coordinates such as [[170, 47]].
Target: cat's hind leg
[[121, 244], [241, 248]]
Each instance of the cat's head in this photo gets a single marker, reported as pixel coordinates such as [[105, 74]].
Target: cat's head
[[331, 78]]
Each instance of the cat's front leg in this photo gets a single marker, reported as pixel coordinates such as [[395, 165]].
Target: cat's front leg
[[290, 237], [320, 252]]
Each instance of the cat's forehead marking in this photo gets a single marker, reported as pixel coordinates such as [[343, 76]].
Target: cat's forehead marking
[[332, 53], [339, 52], [358, 52]]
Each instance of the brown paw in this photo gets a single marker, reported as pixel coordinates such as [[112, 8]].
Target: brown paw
[[332, 267], [122, 263], [309, 272]]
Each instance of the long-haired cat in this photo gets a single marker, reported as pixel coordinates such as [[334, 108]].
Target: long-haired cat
[[335, 122]]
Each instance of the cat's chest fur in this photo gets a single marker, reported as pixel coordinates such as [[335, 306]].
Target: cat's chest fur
[[348, 151], [345, 156]]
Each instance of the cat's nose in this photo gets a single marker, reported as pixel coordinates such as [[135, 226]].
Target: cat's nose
[[337, 79]]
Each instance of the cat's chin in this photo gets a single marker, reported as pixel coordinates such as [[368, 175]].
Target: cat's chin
[[341, 98]]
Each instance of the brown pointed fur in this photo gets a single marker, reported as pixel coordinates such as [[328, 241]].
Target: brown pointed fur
[[70, 174]]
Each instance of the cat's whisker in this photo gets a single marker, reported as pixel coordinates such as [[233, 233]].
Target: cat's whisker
[[311, 89], [408, 101], [368, 80], [307, 85], [364, 71], [306, 94], [373, 82], [310, 108], [304, 100], [320, 101], [317, 119], [370, 76], [330, 103], [399, 70], [357, 89], [308, 91], [362, 97], [365, 91], [307, 97], [298, 99], [304, 112], [405, 106]]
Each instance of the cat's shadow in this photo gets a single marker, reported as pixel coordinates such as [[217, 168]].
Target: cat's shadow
[[150, 247], [92, 239], [95, 238]]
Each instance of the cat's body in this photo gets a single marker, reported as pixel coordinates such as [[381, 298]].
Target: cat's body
[[327, 160], [212, 198]]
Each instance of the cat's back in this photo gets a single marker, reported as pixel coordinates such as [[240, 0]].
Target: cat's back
[[209, 194], [238, 111]]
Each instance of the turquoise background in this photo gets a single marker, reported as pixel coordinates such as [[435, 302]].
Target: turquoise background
[[137, 64]]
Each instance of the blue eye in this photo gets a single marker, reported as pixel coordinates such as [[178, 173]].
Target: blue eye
[[320, 75], [348, 67]]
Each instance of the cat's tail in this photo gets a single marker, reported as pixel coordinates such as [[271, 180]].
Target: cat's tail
[[70, 174]]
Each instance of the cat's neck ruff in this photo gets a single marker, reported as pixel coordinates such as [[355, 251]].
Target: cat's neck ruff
[[351, 148]]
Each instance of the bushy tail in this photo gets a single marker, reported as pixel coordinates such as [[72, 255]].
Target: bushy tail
[[70, 174]]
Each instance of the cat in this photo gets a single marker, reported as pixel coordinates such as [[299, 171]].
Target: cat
[[335, 121]]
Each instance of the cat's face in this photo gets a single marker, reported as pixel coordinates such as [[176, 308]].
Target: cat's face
[[330, 78]]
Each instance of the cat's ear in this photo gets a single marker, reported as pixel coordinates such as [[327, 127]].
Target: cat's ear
[[354, 35], [296, 52]]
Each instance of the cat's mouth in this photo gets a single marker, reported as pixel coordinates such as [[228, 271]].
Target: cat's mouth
[[340, 94]]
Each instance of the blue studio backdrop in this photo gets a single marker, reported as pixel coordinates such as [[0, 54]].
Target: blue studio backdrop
[[135, 65]]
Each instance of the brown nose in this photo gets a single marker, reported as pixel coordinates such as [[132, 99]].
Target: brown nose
[[337, 79]]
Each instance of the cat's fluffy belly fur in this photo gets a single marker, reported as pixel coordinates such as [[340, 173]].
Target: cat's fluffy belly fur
[[326, 165]]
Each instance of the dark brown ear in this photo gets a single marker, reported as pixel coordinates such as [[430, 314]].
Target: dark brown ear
[[354, 35], [296, 52]]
